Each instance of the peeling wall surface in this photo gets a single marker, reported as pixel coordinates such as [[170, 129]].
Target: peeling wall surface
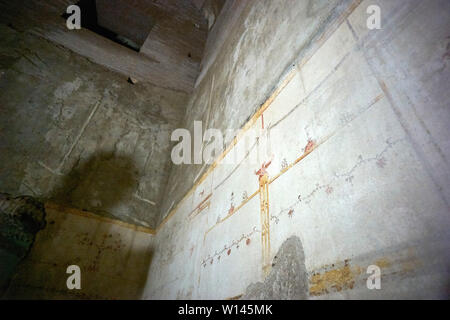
[[20, 219], [287, 279], [113, 260], [360, 175], [81, 135]]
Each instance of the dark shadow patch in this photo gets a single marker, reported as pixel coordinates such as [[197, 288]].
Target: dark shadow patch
[[89, 21], [20, 219], [98, 184]]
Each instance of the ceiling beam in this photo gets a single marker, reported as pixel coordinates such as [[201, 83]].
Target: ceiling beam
[[162, 66]]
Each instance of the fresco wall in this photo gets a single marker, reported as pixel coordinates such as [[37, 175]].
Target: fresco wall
[[351, 158]]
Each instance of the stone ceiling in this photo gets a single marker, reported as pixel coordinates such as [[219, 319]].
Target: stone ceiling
[[167, 36]]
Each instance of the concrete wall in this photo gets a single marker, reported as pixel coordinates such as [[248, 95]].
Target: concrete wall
[[20, 219], [113, 259], [359, 133], [74, 132]]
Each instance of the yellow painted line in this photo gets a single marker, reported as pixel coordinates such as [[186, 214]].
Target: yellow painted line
[[200, 207], [64, 209], [232, 213]]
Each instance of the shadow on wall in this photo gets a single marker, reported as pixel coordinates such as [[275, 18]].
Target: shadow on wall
[[114, 261], [98, 184]]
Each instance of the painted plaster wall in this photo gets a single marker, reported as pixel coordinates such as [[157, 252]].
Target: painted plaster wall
[[113, 260], [359, 137], [240, 72], [74, 132]]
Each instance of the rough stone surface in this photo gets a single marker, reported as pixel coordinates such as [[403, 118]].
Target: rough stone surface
[[76, 133], [287, 280], [169, 56], [20, 220]]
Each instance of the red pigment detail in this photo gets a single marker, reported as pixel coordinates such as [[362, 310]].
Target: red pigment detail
[[381, 163], [309, 146], [247, 242], [229, 252], [262, 171]]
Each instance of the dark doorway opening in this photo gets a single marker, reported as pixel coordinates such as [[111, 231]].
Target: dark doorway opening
[[89, 21]]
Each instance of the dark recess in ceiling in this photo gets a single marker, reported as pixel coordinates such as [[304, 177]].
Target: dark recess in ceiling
[[89, 20]]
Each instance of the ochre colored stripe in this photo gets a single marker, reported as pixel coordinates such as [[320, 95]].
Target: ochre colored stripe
[[90, 215]]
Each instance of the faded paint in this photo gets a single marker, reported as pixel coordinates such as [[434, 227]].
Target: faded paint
[[337, 279], [113, 260], [348, 176]]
